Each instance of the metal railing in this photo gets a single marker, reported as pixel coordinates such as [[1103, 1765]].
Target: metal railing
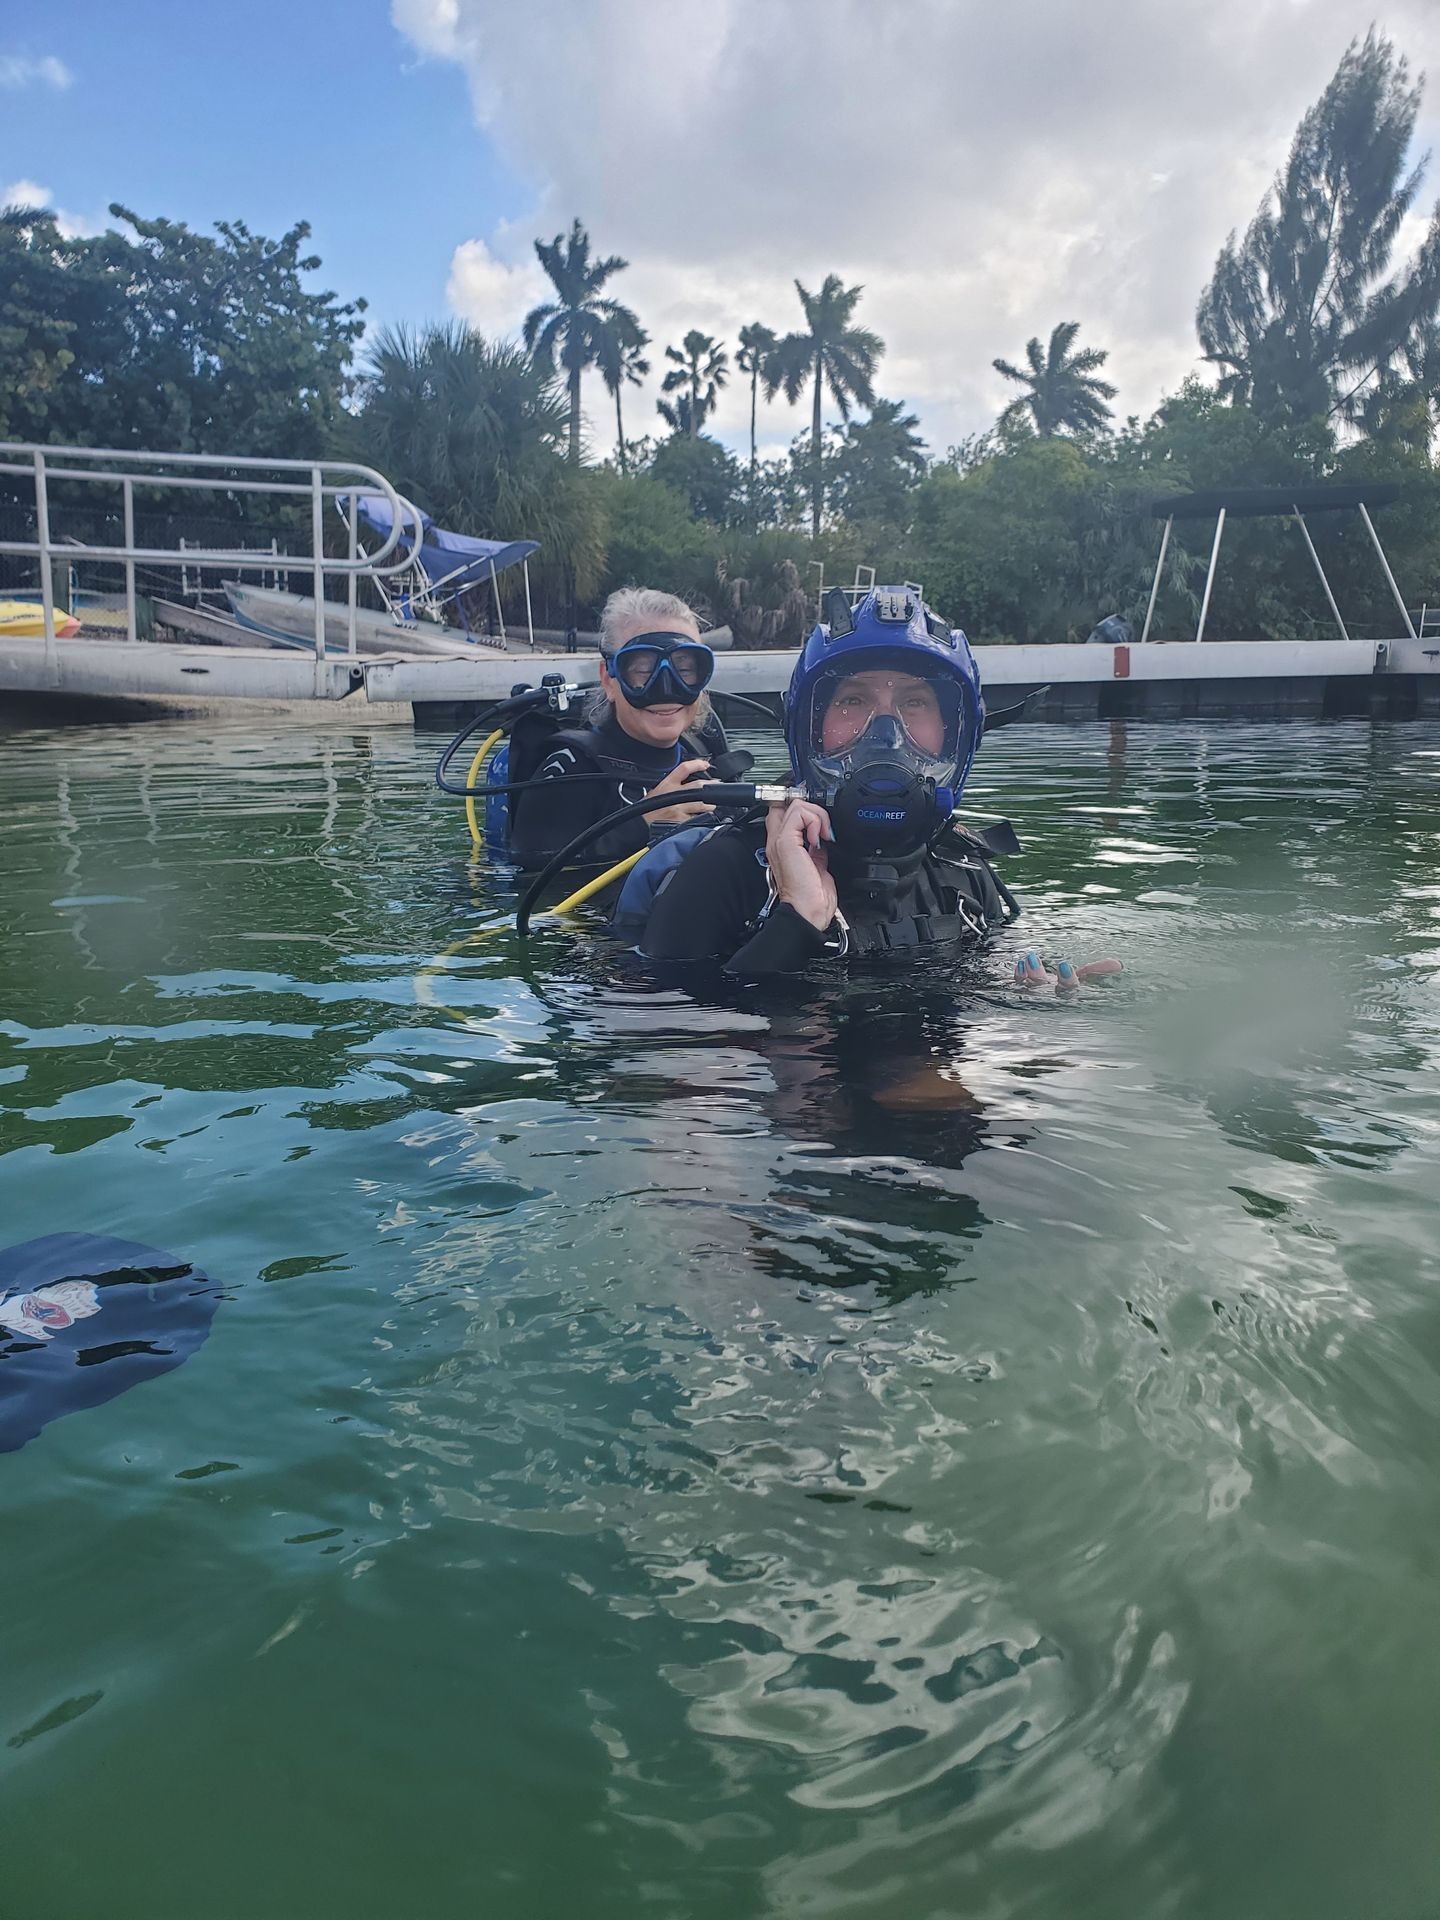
[[219, 473]]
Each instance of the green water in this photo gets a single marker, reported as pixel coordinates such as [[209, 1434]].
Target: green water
[[869, 1447]]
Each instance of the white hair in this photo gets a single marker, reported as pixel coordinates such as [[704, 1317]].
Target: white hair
[[654, 609], [647, 604]]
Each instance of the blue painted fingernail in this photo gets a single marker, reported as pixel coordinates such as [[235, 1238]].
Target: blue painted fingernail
[[1032, 959], [1067, 972]]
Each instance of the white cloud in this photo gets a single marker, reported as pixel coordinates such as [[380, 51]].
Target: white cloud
[[18, 71], [24, 193], [984, 173], [491, 294], [29, 193]]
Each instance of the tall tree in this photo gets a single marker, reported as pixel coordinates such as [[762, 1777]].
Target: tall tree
[[832, 352], [1304, 316], [701, 369], [622, 363], [467, 428], [35, 329], [1064, 391], [153, 335], [876, 464], [474, 432], [757, 345], [568, 333]]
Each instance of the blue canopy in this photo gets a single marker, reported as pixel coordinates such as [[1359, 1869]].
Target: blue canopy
[[455, 558]]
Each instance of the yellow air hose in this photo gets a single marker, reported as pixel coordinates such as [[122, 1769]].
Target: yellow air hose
[[477, 838], [592, 887]]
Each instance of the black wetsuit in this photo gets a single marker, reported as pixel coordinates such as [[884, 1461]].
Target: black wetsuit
[[717, 905], [548, 817]]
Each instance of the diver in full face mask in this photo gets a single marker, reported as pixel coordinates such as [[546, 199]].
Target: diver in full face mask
[[883, 717]]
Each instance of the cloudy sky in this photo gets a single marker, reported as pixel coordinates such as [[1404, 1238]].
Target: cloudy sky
[[985, 171]]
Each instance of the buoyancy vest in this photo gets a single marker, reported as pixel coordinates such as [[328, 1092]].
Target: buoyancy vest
[[949, 899], [533, 739], [954, 894]]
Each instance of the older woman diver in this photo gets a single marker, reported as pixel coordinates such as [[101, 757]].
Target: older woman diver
[[883, 717], [651, 727]]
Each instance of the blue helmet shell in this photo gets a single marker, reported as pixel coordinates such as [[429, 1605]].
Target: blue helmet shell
[[893, 622]]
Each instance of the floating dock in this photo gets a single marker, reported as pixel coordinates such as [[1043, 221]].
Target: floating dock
[[98, 676], [1218, 679]]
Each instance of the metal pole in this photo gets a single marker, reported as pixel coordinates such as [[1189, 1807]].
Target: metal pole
[[42, 528], [499, 610], [1321, 571], [1155, 583], [529, 615], [1404, 610], [317, 551], [1210, 577], [128, 489], [353, 522]]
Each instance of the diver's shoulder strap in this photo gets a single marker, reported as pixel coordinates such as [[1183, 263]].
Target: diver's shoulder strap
[[584, 743]]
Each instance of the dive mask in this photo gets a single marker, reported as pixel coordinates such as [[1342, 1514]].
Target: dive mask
[[662, 669], [884, 753]]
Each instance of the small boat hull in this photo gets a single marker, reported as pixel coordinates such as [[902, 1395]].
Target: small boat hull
[[289, 618], [24, 619]]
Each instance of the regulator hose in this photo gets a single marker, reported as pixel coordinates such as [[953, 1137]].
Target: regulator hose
[[504, 710], [730, 794]]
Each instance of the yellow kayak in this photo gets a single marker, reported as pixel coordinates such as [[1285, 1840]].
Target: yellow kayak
[[20, 619]]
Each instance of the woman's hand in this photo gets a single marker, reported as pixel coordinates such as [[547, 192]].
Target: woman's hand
[[685, 810], [795, 837]]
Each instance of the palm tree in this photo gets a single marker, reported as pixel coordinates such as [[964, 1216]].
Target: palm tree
[[876, 464], [701, 369], [1064, 391], [469, 429], [835, 354], [473, 431], [757, 344], [570, 330], [622, 362]]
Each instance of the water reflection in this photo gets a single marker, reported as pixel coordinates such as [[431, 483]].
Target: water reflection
[[872, 1445]]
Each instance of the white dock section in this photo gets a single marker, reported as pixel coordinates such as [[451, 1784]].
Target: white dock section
[[759, 674], [138, 670], [100, 669]]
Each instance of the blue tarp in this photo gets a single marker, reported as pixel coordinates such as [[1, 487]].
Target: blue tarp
[[452, 557]]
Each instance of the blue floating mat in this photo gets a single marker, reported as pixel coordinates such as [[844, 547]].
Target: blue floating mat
[[84, 1318]]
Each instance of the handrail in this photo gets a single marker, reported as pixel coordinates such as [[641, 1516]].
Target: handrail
[[35, 461]]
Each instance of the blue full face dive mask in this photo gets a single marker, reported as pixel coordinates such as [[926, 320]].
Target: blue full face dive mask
[[662, 669], [883, 755], [882, 718]]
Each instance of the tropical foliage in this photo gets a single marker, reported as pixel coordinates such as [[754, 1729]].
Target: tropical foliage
[[1064, 391], [153, 335], [622, 363], [474, 432], [830, 354], [1321, 336], [757, 346], [582, 326], [701, 368], [1305, 316]]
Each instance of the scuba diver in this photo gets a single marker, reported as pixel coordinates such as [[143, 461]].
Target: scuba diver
[[883, 717], [650, 726]]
